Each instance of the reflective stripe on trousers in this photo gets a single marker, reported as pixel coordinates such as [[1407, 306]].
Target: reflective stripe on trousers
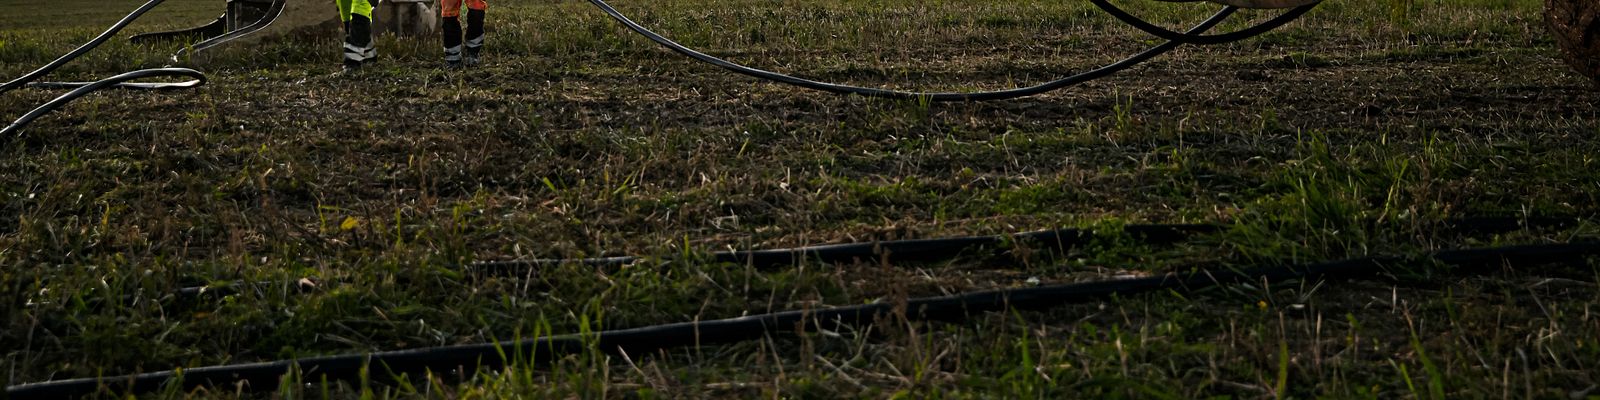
[[356, 53]]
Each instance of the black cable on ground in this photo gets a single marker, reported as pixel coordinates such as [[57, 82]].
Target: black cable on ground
[[885, 251], [1191, 38], [1060, 240], [125, 80], [894, 251], [896, 94], [273, 12], [448, 360], [85, 88], [266, 376]]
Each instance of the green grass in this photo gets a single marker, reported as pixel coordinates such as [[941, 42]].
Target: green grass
[[1352, 132]]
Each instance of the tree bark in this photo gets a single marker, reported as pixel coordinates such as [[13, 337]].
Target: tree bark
[[1576, 26]]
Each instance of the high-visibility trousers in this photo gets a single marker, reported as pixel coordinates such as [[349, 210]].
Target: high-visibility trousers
[[452, 29], [452, 8], [355, 7], [358, 46]]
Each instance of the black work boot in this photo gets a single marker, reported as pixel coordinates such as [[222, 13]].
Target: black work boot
[[452, 42], [358, 47], [474, 36]]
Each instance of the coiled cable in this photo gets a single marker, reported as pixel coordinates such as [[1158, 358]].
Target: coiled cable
[[125, 81]]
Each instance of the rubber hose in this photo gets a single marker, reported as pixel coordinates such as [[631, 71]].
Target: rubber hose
[[896, 94], [1059, 241], [90, 87], [273, 12], [1190, 38], [446, 360], [85, 88], [893, 250]]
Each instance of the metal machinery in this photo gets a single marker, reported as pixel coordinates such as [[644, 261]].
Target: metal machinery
[[239, 14], [407, 17], [245, 21]]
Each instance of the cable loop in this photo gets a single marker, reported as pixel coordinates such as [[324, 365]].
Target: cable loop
[[123, 81], [1192, 38], [1175, 40]]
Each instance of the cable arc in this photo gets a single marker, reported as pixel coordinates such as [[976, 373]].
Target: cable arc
[[86, 88], [1193, 38], [836, 88], [122, 81]]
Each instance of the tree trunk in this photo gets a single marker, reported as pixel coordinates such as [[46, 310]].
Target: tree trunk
[[1576, 25]]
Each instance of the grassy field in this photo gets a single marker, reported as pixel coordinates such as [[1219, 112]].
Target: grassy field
[[1352, 132]]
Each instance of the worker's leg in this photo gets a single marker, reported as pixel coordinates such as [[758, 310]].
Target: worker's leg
[[476, 10], [358, 46], [451, 12]]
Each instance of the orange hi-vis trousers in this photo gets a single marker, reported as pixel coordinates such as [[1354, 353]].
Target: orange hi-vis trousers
[[452, 8]]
